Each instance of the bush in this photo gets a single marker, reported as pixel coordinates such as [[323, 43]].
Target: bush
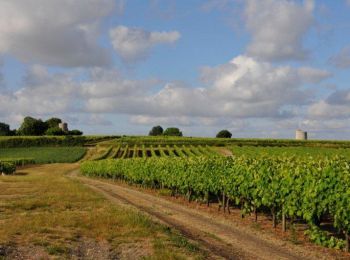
[[172, 131], [224, 134], [7, 167], [75, 132], [156, 130], [55, 131]]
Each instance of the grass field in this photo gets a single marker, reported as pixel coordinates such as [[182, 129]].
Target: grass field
[[44, 214], [45, 154], [316, 152]]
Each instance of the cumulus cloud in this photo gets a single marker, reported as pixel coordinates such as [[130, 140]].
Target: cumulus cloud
[[244, 87], [133, 44], [336, 105], [278, 28], [342, 59], [54, 32]]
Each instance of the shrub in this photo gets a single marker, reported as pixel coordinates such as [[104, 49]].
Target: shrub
[[224, 134], [7, 167], [75, 132]]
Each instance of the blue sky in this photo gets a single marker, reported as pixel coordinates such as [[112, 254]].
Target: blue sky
[[259, 68]]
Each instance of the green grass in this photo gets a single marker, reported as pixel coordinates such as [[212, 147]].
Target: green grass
[[45, 154], [317, 152]]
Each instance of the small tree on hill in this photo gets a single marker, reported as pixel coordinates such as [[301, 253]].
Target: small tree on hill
[[156, 130], [224, 134], [172, 131]]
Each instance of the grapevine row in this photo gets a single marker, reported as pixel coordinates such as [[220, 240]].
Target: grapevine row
[[291, 188]]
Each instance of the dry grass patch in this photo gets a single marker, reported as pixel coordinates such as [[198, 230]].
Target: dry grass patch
[[44, 212]]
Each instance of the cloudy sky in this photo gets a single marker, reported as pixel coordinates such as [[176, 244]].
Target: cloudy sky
[[259, 68]]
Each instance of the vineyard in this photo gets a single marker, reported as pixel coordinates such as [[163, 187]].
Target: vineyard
[[287, 188], [125, 151]]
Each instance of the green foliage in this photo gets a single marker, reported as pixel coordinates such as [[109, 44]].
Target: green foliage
[[55, 131], [7, 167], [53, 122], [316, 152], [245, 143], [156, 131], [32, 127], [172, 131], [321, 238], [224, 134], [26, 141], [4, 129], [300, 188], [75, 132], [44, 154], [19, 161]]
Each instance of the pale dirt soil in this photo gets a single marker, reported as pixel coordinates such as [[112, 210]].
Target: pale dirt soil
[[223, 237]]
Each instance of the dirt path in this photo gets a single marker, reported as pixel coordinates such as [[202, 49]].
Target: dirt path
[[221, 237]]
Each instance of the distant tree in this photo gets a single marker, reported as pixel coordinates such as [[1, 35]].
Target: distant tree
[[172, 131], [156, 130], [224, 134], [4, 129], [32, 126], [75, 132], [53, 122], [55, 131]]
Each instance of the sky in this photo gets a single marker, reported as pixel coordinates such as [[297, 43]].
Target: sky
[[259, 68]]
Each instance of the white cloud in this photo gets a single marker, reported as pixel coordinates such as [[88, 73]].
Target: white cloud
[[133, 44], [278, 28], [313, 75], [241, 88], [342, 59], [335, 106], [54, 32]]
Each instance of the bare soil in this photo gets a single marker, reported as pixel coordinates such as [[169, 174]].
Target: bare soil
[[222, 237]]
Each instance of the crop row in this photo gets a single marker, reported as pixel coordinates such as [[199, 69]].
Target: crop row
[[142, 151], [163, 140], [290, 188]]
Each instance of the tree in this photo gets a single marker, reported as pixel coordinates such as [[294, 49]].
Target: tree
[[224, 134], [32, 126], [156, 130], [75, 132], [4, 129], [55, 131], [53, 122], [172, 131]]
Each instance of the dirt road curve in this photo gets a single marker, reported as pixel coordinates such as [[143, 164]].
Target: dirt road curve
[[222, 238]]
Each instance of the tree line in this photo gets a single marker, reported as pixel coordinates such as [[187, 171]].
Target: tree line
[[37, 127], [174, 131]]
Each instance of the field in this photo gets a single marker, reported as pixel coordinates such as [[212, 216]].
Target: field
[[280, 182], [46, 214], [44, 154]]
